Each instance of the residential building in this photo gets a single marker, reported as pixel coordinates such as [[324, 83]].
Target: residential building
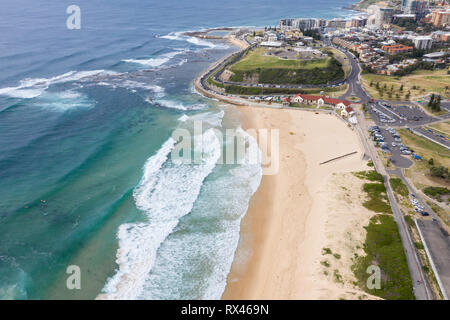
[[440, 18], [423, 42], [397, 48]]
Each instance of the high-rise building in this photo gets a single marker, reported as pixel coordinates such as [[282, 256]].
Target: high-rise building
[[440, 18], [410, 6], [423, 42], [416, 7]]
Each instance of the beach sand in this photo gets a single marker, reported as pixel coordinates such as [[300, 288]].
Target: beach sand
[[299, 211]]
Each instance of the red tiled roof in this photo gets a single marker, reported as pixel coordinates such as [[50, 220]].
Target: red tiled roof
[[349, 109], [325, 99], [309, 97], [336, 101]]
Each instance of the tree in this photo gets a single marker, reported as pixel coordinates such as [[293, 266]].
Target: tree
[[401, 88], [371, 83], [430, 103], [431, 162], [408, 95], [377, 86]]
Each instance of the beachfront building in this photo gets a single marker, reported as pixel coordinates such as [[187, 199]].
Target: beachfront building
[[300, 24], [308, 99], [321, 100], [347, 112]]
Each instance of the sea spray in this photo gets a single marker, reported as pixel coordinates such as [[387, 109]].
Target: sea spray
[[166, 193]]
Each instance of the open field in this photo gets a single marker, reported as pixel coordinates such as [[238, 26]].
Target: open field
[[258, 58], [419, 83]]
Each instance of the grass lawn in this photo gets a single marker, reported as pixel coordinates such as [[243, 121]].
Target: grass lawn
[[257, 58], [419, 83], [425, 148]]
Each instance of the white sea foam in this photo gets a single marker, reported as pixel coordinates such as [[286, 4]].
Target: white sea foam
[[194, 261], [155, 61], [193, 40], [214, 119], [34, 87], [183, 118], [179, 105], [63, 101], [166, 192]]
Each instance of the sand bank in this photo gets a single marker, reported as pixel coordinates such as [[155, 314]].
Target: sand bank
[[301, 210]]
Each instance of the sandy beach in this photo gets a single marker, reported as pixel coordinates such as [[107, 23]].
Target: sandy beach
[[299, 211]]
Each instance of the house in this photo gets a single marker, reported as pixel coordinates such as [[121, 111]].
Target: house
[[308, 99], [286, 102], [321, 100], [337, 103], [347, 112]]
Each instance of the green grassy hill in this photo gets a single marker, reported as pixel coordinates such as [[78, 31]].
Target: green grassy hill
[[256, 65]]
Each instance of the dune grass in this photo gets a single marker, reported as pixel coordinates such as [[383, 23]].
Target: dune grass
[[383, 247], [399, 187]]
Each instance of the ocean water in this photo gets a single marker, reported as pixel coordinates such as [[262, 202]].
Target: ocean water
[[86, 174]]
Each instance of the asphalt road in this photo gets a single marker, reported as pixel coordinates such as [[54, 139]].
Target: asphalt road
[[433, 136], [437, 242]]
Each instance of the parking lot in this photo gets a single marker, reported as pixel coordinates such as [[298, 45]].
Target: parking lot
[[398, 115], [389, 141]]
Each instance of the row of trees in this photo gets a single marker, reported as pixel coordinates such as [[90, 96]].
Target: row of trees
[[391, 92]]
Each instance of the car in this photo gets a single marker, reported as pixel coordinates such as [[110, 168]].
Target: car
[[393, 144], [424, 214]]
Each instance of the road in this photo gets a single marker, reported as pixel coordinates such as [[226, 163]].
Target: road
[[437, 242], [421, 287]]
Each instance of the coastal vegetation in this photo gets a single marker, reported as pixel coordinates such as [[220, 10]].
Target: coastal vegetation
[[399, 187], [383, 247], [376, 191], [436, 192]]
